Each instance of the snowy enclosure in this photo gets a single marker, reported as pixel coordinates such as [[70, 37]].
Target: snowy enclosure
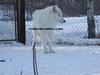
[[75, 54]]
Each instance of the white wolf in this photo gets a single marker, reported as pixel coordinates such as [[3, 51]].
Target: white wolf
[[46, 18]]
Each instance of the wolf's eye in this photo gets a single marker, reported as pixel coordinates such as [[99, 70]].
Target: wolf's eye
[[59, 15]]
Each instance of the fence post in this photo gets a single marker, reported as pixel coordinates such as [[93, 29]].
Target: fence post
[[90, 18], [21, 21]]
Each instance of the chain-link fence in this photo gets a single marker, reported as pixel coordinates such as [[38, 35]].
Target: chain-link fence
[[75, 30], [7, 20]]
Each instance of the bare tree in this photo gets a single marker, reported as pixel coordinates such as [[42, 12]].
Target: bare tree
[[90, 18]]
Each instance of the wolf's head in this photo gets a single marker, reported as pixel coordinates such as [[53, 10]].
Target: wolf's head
[[58, 14]]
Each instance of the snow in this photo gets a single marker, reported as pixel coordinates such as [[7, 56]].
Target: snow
[[68, 60]]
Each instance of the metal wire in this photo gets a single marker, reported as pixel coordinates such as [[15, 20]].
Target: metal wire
[[35, 68]]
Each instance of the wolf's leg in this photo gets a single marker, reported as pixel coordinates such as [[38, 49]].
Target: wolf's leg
[[50, 44], [33, 38], [50, 48], [44, 43]]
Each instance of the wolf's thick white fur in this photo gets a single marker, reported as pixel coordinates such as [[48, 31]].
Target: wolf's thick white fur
[[46, 18]]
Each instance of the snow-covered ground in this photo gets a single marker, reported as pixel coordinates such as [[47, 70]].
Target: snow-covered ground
[[68, 60]]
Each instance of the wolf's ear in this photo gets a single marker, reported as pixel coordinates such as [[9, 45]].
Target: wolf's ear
[[54, 9]]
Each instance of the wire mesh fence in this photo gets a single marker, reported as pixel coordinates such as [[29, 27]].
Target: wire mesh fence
[[75, 30], [7, 20]]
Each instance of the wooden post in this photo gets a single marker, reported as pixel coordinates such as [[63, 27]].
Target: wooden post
[[21, 21], [90, 18]]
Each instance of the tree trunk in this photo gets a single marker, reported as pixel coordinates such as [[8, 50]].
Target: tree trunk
[[90, 18]]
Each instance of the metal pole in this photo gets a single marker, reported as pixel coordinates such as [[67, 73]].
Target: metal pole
[[35, 68]]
